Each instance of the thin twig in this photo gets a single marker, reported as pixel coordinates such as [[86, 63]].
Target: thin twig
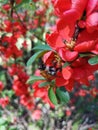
[[85, 127]]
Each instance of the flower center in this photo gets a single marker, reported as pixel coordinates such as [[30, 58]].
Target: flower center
[[70, 45]]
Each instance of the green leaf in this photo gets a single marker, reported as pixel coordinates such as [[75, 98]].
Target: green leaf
[[93, 61], [35, 56], [42, 47], [33, 79], [8, 93], [4, 1], [2, 77], [12, 128], [63, 95], [84, 55], [3, 121], [66, 64], [43, 84], [52, 96], [22, 3], [3, 127]]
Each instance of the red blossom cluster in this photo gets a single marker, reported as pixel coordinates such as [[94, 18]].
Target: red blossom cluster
[[76, 35], [9, 49], [4, 102], [20, 87], [14, 26], [8, 45], [74, 41]]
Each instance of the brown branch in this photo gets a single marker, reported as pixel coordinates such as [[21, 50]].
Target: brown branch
[[69, 125], [26, 28]]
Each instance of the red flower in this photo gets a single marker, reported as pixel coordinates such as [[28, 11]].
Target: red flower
[[68, 55], [27, 101], [82, 93], [4, 102], [20, 88], [6, 7], [54, 40], [67, 73], [68, 112], [85, 46], [86, 42], [73, 14], [94, 92], [36, 115], [84, 73], [41, 93], [92, 6], [15, 28], [92, 22], [62, 80], [61, 5], [8, 47]]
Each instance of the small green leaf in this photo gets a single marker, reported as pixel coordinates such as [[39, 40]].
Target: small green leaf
[[63, 95], [66, 64], [33, 79], [35, 56], [21, 3], [85, 54], [42, 47], [12, 128], [3, 121], [93, 61], [4, 1], [43, 84], [3, 127], [52, 96], [9, 93]]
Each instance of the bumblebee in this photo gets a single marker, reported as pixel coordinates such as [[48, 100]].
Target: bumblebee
[[48, 71]]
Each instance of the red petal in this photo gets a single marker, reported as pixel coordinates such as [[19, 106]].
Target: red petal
[[67, 72], [75, 12], [61, 5], [47, 58], [91, 6], [92, 22], [85, 46], [67, 32], [60, 81], [67, 19], [71, 55], [70, 85], [79, 6], [67, 55], [54, 40], [85, 36]]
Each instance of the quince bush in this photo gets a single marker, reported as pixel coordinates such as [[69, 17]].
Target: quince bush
[[49, 63]]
